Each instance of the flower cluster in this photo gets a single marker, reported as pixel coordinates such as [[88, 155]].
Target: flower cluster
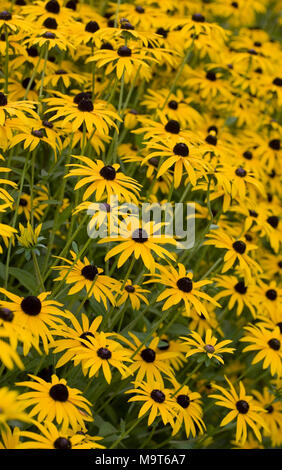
[[107, 108]]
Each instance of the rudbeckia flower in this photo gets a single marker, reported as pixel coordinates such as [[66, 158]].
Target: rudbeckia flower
[[80, 110], [72, 335], [240, 294], [147, 361], [157, 400], [189, 410], [237, 250], [15, 108], [55, 401], [101, 352], [180, 286], [243, 408], [34, 314], [183, 156], [134, 293], [267, 400], [268, 345], [209, 347], [139, 241], [86, 275], [10, 438], [104, 179], [51, 437]]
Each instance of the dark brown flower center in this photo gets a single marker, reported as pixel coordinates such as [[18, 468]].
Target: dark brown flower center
[[23, 202], [173, 104], [158, 396], [241, 172], [52, 6], [242, 406], [248, 155], [148, 355], [104, 353], [274, 144], [108, 172], [62, 443], [240, 287], [124, 51], [6, 314], [239, 246], [130, 289], [59, 392], [3, 99], [183, 400], [50, 23], [31, 305], [185, 284], [198, 17], [89, 272], [273, 220], [172, 126], [181, 149], [85, 105], [211, 139], [277, 81], [92, 27], [274, 344], [210, 75], [5, 15], [209, 348]]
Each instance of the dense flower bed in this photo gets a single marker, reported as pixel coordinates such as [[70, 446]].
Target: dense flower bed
[[138, 340]]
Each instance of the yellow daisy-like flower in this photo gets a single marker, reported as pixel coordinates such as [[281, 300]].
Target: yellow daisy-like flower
[[237, 250], [86, 275], [183, 157], [148, 361], [49, 437], [273, 417], [180, 286], [189, 410], [35, 314], [239, 293], [157, 399], [104, 179], [243, 409], [81, 110], [140, 240], [72, 336], [134, 293], [268, 343], [57, 401], [101, 352], [28, 236], [209, 347]]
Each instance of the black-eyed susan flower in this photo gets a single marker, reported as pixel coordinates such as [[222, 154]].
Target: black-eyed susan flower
[[21, 109], [80, 110], [134, 293], [189, 410], [56, 401], [209, 347], [50, 437], [147, 360], [268, 345], [267, 400], [35, 314], [85, 275], [157, 400], [239, 293], [237, 250], [140, 240], [10, 438], [72, 335], [180, 286], [101, 352], [104, 180], [243, 408]]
